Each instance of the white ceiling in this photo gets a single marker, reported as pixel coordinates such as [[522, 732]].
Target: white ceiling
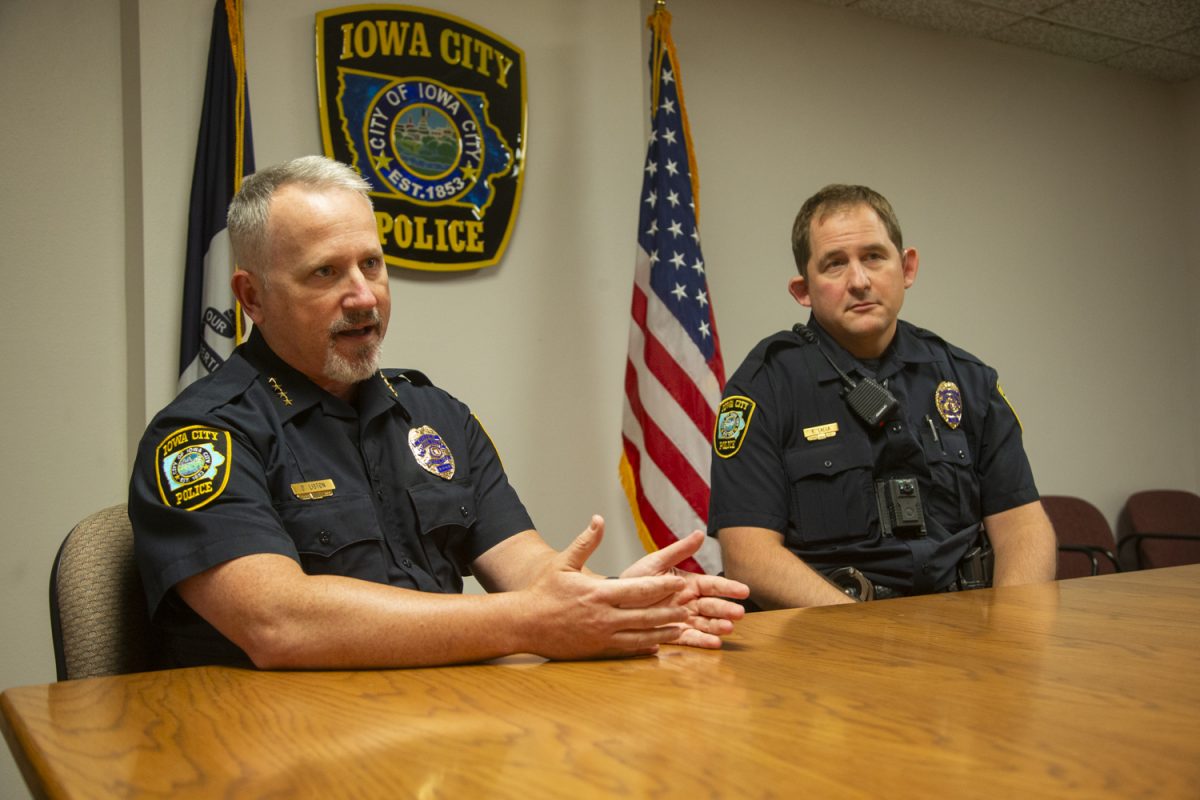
[[1156, 38]]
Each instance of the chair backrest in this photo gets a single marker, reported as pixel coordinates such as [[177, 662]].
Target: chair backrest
[[1166, 526], [1085, 539], [97, 609]]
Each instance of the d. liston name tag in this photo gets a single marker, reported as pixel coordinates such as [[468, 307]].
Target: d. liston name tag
[[313, 490]]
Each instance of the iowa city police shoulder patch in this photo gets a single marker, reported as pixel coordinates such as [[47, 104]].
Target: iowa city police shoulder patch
[[733, 420], [430, 109], [193, 466]]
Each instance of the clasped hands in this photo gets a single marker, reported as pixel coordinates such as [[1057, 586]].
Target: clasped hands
[[652, 603]]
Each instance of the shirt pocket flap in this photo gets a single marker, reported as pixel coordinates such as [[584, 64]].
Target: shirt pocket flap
[[441, 505], [323, 527], [953, 448], [827, 458]]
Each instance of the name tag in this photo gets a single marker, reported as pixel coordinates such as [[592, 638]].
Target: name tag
[[819, 432], [313, 490]]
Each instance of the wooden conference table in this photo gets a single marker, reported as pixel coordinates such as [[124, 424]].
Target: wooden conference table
[[1082, 688]]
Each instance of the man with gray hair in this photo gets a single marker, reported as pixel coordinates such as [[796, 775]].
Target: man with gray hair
[[301, 508]]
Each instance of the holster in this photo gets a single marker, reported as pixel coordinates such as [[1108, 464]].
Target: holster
[[975, 568]]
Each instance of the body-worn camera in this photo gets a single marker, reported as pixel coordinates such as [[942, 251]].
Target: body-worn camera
[[900, 510]]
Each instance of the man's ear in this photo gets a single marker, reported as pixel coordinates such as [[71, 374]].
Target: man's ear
[[247, 288], [910, 263], [798, 288]]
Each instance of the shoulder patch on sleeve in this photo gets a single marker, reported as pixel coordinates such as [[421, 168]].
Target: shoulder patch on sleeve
[[733, 420], [1004, 397], [192, 466]]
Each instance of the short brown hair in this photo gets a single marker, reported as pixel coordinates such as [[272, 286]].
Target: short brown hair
[[834, 197]]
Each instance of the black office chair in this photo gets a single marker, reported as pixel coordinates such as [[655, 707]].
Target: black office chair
[[1085, 540], [97, 609], [1159, 528]]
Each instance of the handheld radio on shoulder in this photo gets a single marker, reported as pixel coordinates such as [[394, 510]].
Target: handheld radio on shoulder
[[868, 398]]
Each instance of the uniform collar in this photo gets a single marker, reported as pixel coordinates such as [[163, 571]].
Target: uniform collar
[[905, 348], [295, 393]]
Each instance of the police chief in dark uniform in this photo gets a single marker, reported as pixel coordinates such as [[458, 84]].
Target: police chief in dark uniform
[[861, 453], [300, 508]]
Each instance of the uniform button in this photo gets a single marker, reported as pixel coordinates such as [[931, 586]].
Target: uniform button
[[463, 510], [379, 493], [896, 427], [324, 538], [828, 464], [406, 563], [927, 569], [962, 454]]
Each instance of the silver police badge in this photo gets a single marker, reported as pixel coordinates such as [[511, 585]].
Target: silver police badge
[[948, 399], [431, 451]]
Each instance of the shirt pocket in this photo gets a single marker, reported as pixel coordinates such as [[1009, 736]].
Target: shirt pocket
[[445, 512], [951, 468], [337, 536], [831, 491]]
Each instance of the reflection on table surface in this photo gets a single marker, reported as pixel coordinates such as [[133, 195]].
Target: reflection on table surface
[[1086, 687]]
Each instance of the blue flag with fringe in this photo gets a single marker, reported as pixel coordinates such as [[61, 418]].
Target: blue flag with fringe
[[211, 321]]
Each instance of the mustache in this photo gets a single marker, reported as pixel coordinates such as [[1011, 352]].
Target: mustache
[[355, 319]]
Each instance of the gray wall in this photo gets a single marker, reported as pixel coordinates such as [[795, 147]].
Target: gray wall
[[1053, 204]]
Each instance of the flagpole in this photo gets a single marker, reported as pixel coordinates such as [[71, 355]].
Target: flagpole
[[237, 37]]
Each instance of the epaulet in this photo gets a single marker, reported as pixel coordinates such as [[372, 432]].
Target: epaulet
[[953, 350], [218, 388], [413, 376], [771, 346], [780, 341]]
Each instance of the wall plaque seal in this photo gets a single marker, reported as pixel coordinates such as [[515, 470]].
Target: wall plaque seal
[[431, 110]]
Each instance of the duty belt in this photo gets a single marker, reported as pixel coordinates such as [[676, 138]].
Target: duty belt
[[855, 584]]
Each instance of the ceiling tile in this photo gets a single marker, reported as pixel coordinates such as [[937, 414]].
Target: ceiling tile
[[952, 16], [1162, 64], [1021, 7], [1187, 42], [1061, 40], [1141, 20]]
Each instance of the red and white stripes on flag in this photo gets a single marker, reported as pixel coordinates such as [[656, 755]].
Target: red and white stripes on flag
[[674, 374]]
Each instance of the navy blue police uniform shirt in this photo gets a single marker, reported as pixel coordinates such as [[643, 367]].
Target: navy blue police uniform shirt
[[404, 488], [791, 456]]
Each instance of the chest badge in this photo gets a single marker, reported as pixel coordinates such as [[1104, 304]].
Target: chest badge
[[431, 451], [948, 399]]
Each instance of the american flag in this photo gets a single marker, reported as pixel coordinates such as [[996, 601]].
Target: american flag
[[674, 373]]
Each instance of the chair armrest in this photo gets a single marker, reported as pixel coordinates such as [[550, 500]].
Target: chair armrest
[[1137, 537], [1092, 552]]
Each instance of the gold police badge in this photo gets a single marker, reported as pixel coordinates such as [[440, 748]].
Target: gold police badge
[[948, 400], [431, 451]]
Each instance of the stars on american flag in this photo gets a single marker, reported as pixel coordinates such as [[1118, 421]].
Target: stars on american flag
[[668, 223]]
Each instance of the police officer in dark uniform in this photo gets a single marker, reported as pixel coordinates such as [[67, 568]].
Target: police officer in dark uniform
[[301, 508], [860, 457]]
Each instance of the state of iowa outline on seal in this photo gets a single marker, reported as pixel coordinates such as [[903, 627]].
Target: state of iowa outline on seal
[[431, 110]]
